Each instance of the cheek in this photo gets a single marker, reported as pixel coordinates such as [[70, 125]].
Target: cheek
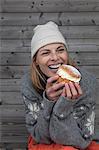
[[65, 57], [42, 64], [40, 61], [44, 70]]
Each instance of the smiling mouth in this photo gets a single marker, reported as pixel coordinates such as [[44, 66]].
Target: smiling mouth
[[54, 67]]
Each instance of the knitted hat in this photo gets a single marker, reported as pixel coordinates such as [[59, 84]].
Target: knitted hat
[[46, 34]]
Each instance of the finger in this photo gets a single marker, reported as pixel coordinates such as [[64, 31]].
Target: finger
[[73, 90], [78, 87], [54, 95], [55, 88], [63, 92], [58, 86], [52, 79], [57, 93], [68, 91]]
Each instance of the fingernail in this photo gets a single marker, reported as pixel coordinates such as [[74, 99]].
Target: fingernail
[[70, 82], [66, 84]]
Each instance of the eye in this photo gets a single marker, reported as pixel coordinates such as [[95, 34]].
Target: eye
[[61, 50], [45, 53]]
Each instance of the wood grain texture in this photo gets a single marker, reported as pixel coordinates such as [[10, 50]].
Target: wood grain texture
[[69, 32], [12, 72], [61, 18], [48, 6], [23, 45]]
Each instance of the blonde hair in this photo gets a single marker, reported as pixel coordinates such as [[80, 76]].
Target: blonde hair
[[38, 78]]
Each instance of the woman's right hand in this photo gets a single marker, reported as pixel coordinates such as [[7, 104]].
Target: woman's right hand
[[72, 90], [54, 89]]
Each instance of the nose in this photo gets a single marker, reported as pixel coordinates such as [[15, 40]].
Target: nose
[[54, 56]]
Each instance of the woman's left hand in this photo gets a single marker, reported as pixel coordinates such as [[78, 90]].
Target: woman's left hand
[[72, 90]]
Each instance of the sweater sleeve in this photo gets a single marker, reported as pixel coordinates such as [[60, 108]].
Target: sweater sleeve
[[72, 121], [37, 113]]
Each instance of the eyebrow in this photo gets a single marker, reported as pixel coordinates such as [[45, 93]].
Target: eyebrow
[[60, 47], [44, 50]]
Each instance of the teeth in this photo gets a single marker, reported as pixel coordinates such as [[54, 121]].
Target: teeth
[[54, 66]]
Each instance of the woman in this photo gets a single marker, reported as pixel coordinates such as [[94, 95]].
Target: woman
[[59, 116]]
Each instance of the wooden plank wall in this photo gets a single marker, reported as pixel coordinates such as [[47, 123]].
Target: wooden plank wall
[[78, 21]]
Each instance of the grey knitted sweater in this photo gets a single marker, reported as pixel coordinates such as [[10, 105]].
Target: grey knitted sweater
[[67, 122]]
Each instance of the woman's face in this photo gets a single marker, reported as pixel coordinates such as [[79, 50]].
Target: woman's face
[[50, 57]]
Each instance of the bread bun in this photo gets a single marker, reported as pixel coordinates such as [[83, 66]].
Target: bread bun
[[68, 73]]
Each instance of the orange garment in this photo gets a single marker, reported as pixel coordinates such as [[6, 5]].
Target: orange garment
[[93, 146], [33, 146]]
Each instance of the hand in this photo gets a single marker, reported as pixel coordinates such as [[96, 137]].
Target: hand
[[54, 89], [72, 90]]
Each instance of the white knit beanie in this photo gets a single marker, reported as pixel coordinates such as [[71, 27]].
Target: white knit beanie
[[46, 34]]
